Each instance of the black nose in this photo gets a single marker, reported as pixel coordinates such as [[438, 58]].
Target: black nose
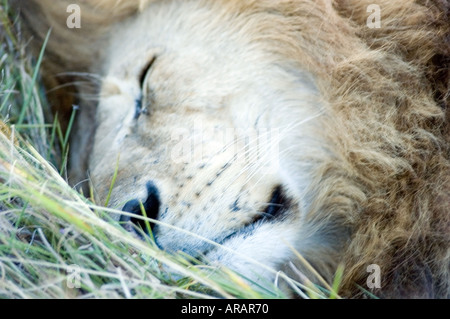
[[151, 207]]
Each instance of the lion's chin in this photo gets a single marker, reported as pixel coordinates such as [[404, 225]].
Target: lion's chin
[[257, 250]]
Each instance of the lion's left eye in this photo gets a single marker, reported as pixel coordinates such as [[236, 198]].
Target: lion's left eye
[[139, 107], [145, 72]]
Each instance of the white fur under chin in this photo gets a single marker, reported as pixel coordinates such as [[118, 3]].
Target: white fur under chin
[[259, 255]]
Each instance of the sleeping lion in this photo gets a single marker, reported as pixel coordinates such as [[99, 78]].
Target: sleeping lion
[[265, 135]]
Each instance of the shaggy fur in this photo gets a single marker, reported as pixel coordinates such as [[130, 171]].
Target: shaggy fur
[[370, 182]]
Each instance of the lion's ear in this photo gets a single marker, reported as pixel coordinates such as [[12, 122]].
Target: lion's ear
[[77, 29]]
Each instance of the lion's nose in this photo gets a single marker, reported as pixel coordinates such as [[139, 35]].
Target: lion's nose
[[150, 205]]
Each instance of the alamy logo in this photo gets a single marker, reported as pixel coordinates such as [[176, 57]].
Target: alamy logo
[[374, 279], [198, 144], [374, 19], [74, 19]]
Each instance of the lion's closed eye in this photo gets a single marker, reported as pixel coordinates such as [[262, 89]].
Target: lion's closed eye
[[146, 71], [141, 106]]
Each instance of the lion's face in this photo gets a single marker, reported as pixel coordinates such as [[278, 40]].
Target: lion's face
[[206, 126]]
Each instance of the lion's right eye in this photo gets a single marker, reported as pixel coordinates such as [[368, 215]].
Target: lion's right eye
[[139, 107], [145, 72]]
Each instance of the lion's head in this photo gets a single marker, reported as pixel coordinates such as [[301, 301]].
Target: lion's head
[[253, 132], [212, 130]]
